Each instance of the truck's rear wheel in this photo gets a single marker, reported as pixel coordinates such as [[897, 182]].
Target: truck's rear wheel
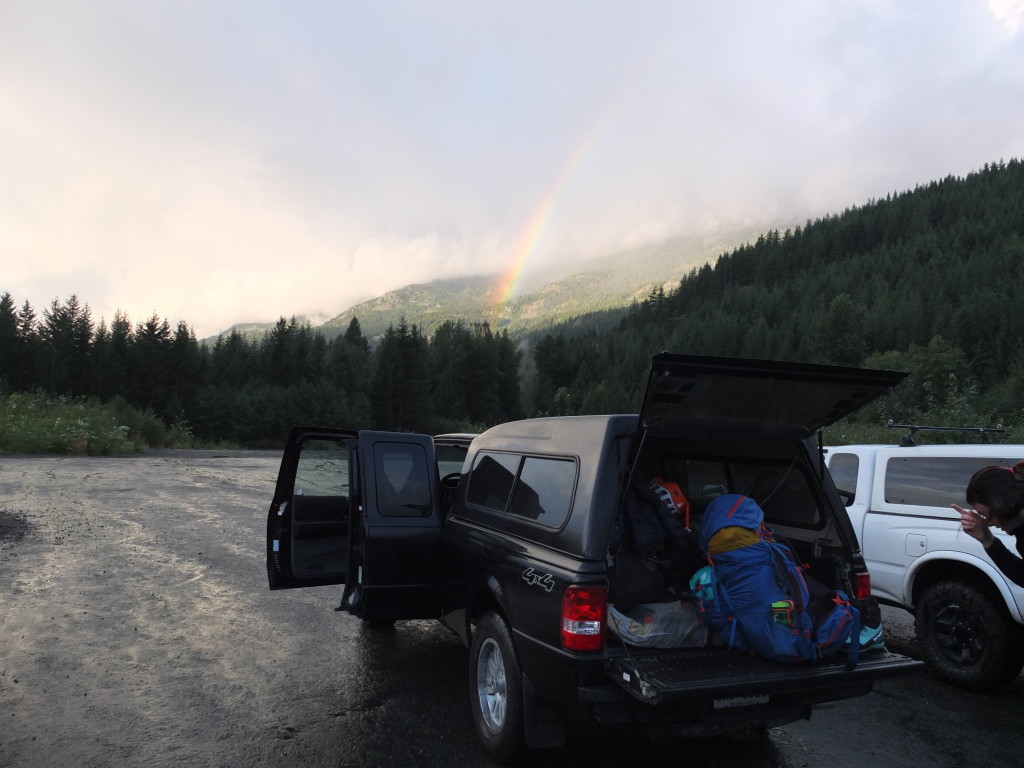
[[495, 689], [967, 636]]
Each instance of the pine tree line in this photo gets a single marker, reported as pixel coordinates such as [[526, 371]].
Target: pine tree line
[[251, 391]]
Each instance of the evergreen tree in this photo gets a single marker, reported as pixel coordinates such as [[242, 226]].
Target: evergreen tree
[[400, 397], [28, 354], [347, 366], [449, 348], [233, 360], [100, 362], [8, 341], [65, 335], [354, 336], [279, 353], [838, 336], [116, 371], [188, 369], [312, 353], [555, 370], [509, 359], [481, 377], [151, 367]]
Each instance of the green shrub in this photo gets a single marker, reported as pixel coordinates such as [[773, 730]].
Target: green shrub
[[37, 423]]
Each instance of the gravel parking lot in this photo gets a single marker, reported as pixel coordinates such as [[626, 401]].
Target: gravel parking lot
[[137, 630]]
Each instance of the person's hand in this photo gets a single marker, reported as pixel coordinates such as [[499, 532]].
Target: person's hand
[[974, 525]]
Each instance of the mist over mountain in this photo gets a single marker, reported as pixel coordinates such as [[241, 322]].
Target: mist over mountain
[[542, 298]]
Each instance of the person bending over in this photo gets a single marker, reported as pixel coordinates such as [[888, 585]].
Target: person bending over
[[996, 495]]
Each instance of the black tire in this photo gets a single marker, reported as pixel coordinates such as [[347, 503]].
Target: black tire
[[495, 689], [967, 636], [1016, 662]]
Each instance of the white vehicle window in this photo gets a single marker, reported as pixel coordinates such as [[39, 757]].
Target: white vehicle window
[[933, 481], [844, 467]]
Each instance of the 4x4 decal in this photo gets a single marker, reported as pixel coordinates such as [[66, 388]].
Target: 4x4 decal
[[535, 579]]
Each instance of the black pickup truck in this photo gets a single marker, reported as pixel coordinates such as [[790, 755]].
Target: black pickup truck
[[510, 538]]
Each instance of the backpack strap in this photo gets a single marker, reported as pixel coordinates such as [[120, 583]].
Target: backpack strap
[[853, 656], [728, 612]]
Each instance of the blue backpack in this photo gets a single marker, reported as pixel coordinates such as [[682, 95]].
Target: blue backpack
[[754, 595]]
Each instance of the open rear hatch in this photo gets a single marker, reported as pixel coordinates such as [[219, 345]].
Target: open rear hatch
[[725, 676], [698, 395], [690, 394]]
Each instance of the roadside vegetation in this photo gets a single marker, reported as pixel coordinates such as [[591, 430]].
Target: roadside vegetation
[[925, 281], [38, 423]]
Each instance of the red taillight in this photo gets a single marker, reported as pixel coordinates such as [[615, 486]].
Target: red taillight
[[584, 611], [862, 585]]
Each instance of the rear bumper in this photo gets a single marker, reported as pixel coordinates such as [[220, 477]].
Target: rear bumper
[[710, 691], [716, 674]]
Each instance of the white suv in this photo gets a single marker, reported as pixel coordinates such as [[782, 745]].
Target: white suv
[[969, 618]]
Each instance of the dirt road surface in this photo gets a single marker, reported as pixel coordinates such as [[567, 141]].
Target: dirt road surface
[[136, 629]]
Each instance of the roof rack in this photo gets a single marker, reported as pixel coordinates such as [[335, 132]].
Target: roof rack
[[907, 441]]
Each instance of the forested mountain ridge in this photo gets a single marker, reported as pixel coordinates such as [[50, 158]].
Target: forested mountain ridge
[[927, 280], [544, 298], [924, 281]]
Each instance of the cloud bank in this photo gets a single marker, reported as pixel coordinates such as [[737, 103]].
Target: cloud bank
[[236, 161]]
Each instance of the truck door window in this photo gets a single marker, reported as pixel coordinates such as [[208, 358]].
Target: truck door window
[[319, 510], [322, 469], [544, 491], [402, 480]]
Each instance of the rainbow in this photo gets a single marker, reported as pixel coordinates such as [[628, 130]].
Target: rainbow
[[526, 244]]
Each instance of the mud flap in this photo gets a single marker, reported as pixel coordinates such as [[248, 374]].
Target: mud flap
[[544, 723]]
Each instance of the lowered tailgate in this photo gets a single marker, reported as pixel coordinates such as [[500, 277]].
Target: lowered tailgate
[[722, 675]]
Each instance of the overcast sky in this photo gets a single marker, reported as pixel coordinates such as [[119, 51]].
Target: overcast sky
[[222, 161]]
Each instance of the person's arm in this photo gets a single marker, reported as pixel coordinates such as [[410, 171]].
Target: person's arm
[[1007, 562], [975, 526]]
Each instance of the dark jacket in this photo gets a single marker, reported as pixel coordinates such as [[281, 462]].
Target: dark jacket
[[1005, 560]]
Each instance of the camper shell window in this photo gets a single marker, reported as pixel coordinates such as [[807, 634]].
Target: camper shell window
[[538, 488]]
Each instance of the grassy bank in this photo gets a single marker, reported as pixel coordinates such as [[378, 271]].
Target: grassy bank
[[37, 423]]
